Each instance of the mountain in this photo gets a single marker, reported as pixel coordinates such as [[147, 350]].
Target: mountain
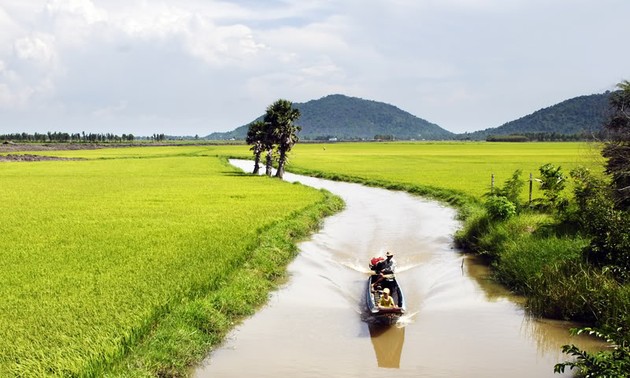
[[583, 114], [352, 118]]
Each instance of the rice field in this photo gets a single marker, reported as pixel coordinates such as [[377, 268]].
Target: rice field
[[465, 167], [94, 251]]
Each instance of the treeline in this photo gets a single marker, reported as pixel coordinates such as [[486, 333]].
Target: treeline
[[61, 137], [541, 137]]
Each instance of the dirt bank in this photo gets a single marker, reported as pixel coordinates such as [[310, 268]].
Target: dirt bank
[[29, 157], [14, 150], [18, 147]]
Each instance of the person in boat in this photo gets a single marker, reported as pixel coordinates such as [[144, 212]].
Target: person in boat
[[385, 269], [386, 300]]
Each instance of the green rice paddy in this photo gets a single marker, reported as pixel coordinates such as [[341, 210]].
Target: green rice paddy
[[465, 167], [95, 251]]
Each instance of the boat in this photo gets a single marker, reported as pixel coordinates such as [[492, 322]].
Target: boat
[[373, 295]]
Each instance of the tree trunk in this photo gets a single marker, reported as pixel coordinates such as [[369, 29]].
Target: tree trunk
[[281, 162], [268, 164], [256, 163]]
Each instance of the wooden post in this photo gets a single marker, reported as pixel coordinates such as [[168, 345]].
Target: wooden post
[[492, 184], [531, 183]]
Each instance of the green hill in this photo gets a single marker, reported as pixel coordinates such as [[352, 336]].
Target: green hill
[[579, 115], [351, 118]]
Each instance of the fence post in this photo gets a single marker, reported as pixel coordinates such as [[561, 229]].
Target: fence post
[[492, 184], [531, 183]]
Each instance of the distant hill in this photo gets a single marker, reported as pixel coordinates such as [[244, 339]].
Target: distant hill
[[351, 118], [583, 114]]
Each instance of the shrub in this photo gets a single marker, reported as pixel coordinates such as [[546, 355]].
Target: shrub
[[608, 363], [608, 225], [552, 183], [512, 188], [500, 208]]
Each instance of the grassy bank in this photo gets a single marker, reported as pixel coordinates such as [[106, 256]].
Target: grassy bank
[[104, 260], [541, 258]]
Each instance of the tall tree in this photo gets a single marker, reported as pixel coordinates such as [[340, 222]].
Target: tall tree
[[281, 117], [256, 138], [617, 149]]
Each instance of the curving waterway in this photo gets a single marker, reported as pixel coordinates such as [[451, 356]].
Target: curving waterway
[[459, 324]]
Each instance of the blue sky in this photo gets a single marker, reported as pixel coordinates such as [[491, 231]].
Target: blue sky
[[192, 67]]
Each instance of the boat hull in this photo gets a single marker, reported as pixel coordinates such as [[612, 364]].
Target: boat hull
[[372, 296]]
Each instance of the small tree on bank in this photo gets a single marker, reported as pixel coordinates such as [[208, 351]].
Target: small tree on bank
[[277, 132], [552, 183], [280, 117], [256, 138]]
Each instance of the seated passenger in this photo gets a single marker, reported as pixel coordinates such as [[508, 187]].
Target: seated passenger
[[386, 301]]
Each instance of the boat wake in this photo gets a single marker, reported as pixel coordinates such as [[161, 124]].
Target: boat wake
[[406, 319]]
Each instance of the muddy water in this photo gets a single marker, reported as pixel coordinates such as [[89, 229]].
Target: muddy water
[[459, 324]]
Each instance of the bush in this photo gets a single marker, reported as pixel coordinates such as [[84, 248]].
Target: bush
[[609, 226], [500, 208], [512, 188], [609, 363], [552, 183]]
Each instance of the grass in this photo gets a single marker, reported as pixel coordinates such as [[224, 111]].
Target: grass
[[97, 253]]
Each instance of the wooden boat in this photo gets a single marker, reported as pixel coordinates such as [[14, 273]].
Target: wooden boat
[[373, 295]]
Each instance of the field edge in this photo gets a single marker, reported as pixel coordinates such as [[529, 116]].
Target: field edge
[[182, 338]]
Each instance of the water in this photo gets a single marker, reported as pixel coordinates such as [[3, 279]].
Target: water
[[458, 323]]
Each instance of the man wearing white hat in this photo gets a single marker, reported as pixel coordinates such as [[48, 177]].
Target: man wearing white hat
[[386, 268], [389, 265]]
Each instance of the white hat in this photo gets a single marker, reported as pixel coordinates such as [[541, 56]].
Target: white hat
[[389, 254], [386, 290]]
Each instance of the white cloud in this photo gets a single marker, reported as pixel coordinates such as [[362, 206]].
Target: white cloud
[[204, 65], [82, 11], [38, 49], [222, 45], [74, 22]]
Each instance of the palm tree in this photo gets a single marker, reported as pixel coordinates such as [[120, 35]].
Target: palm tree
[[617, 149], [280, 117], [255, 137]]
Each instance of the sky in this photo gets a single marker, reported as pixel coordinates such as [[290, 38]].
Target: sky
[[193, 67]]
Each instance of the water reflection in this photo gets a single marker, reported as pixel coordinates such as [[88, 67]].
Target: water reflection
[[388, 344], [549, 335], [475, 268]]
